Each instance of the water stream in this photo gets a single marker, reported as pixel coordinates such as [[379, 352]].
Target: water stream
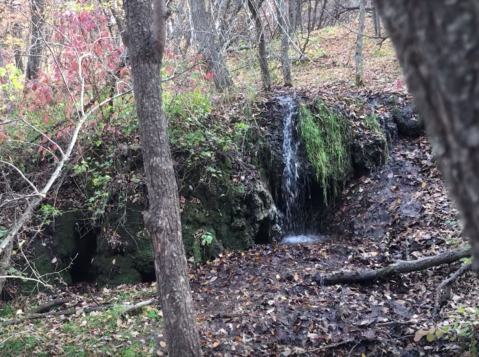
[[294, 184]]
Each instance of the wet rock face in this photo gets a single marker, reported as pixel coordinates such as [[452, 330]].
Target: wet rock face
[[369, 153], [236, 216]]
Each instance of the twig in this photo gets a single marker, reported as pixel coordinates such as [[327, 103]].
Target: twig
[[390, 323], [447, 283], [24, 278], [333, 345], [22, 175]]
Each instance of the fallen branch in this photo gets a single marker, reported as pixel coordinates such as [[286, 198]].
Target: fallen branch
[[333, 345], [48, 306], [137, 306], [448, 284], [36, 316], [400, 267]]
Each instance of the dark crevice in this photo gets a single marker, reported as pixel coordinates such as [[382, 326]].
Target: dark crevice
[[86, 245], [148, 276], [264, 233]]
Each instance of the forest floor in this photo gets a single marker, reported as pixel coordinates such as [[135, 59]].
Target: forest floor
[[265, 301]]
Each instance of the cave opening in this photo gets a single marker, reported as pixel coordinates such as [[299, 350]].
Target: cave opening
[[85, 249], [148, 276]]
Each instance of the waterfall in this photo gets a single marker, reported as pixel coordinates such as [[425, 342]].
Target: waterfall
[[294, 182], [290, 185]]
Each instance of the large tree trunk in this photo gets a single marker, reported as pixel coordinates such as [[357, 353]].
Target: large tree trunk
[[163, 218], [359, 44], [263, 60], [282, 10], [437, 43], [205, 36], [36, 39]]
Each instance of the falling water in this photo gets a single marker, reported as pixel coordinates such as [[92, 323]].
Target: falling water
[[290, 189], [293, 183]]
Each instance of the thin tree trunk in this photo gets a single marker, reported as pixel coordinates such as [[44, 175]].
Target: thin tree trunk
[[205, 37], [359, 44], [376, 22], [282, 9], [36, 40], [6, 98], [437, 43], [263, 60], [163, 218], [17, 35]]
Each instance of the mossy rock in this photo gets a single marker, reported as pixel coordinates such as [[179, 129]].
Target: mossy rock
[[116, 270], [408, 123]]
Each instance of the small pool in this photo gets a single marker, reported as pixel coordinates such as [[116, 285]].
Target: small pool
[[302, 239]]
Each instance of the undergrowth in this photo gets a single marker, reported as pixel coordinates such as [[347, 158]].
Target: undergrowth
[[326, 135], [102, 333]]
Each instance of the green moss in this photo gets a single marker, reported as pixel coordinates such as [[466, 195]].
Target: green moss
[[371, 122], [116, 270], [327, 138]]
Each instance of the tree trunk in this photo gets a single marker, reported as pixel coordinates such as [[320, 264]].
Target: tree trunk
[[359, 44], [376, 22], [282, 9], [437, 43], [36, 40], [17, 35], [263, 61], [6, 97], [205, 36], [163, 218]]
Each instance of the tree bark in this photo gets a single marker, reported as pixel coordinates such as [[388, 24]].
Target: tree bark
[[163, 218], [205, 36], [401, 267], [282, 9], [36, 40], [376, 22], [263, 60], [6, 97], [17, 35], [359, 44], [437, 43]]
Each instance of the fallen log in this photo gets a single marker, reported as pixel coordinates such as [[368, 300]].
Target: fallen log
[[48, 306], [35, 316], [399, 267]]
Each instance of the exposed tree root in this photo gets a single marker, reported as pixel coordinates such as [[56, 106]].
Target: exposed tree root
[[447, 283], [399, 267]]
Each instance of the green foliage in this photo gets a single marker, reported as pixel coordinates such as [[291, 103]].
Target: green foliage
[[326, 136], [13, 85], [186, 105], [202, 239], [48, 212], [460, 327], [80, 336], [7, 311]]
